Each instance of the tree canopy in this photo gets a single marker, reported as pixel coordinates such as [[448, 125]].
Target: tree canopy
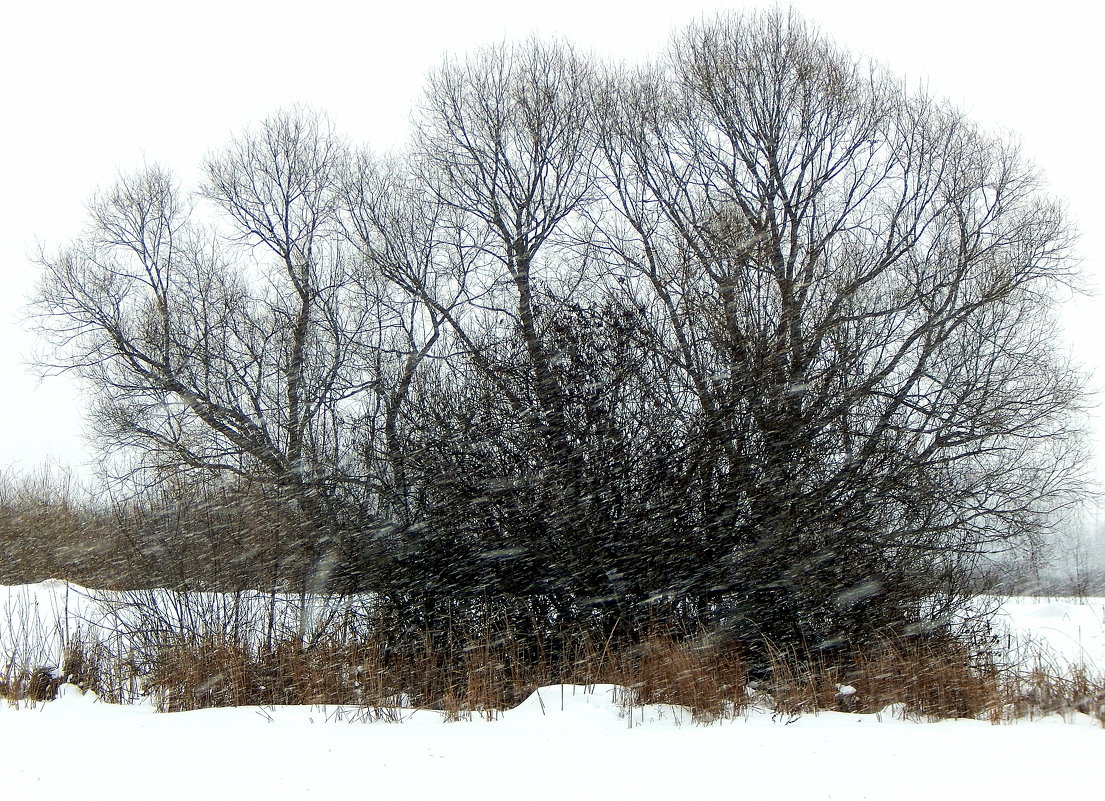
[[752, 337]]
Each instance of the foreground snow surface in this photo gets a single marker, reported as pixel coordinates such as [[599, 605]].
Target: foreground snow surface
[[572, 742], [562, 743]]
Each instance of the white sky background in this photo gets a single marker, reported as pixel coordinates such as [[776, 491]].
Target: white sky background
[[90, 90]]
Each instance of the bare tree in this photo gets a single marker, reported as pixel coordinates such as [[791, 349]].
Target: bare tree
[[855, 286], [753, 337], [242, 350]]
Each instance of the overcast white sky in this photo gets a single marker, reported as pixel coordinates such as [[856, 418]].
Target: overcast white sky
[[89, 90]]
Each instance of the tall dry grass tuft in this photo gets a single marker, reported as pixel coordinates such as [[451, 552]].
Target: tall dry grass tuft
[[929, 676], [478, 675], [693, 673], [85, 663], [1049, 687], [217, 672], [932, 676]]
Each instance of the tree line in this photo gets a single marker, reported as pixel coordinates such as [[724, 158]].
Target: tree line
[[752, 338]]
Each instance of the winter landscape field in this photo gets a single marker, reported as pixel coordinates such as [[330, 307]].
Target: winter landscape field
[[695, 420]]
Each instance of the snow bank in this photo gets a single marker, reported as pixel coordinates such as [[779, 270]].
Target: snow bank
[[563, 742]]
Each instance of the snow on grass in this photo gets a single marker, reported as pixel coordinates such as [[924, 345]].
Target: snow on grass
[[562, 742], [569, 742]]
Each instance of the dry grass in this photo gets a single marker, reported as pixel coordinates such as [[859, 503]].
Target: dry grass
[[217, 673], [688, 672], [1048, 687], [484, 678], [88, 665], [929, 677], [208, 663]]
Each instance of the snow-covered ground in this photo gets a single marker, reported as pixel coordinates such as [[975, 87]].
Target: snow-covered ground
[[582, 747], [1072, 631], [564, 742]]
